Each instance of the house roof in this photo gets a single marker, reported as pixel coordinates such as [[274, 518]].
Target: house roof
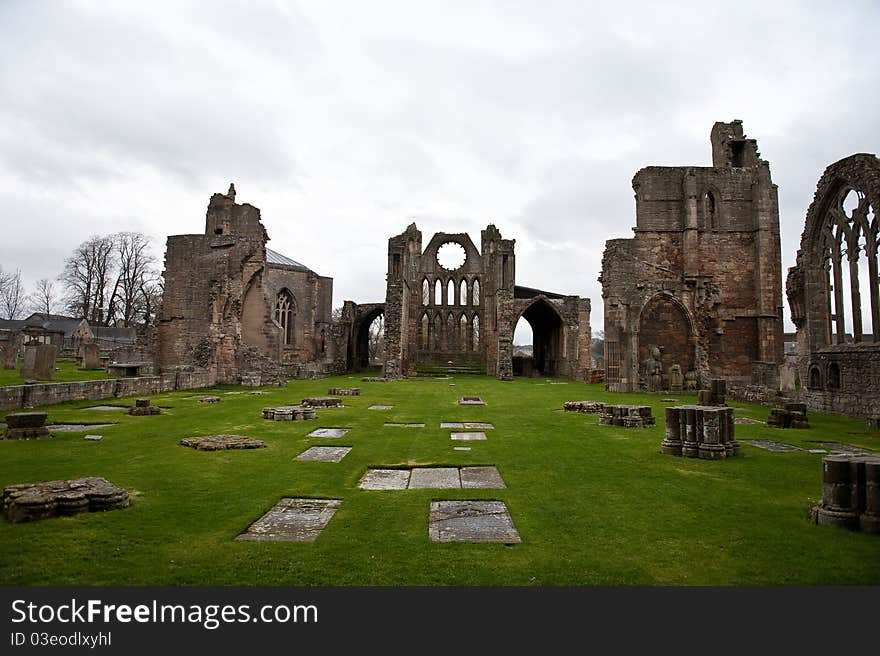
[[275, 258]]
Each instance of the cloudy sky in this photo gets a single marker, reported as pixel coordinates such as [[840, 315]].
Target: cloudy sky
[[345, 121]]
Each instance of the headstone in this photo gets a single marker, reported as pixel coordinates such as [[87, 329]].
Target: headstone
[[39, 362], [676, 380], [90, 356], [385, 479], [8, 354]]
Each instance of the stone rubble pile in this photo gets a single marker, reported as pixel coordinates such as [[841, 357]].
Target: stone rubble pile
[[698, 431], [793, 415], [715, 395], [289, 413], [31, 501], [322, 402], [588, 407], [220, 442], [337, 391], [628, 416]]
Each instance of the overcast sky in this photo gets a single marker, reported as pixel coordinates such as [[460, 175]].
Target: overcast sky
[[345, 121]]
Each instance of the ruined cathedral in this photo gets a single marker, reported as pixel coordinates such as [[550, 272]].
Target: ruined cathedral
[[697, 292]]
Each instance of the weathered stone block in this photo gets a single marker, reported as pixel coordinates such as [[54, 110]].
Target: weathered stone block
[[31, 501]]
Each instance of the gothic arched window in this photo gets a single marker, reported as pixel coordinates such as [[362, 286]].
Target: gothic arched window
[[284, 314]]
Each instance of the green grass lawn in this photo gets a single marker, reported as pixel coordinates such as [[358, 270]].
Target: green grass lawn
[[594, 505], [67, 372]]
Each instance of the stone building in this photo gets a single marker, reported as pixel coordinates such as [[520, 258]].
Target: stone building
[[242, 312], [451, 306], [834, 294], [699, 285]]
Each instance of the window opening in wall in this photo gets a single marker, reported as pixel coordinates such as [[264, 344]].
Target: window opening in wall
[[284, 316], [426, 292], [834, 376], [475, 292], [710, 211], [450, 332], [462, 332], [438, 293], [737, 154], [504, 273], [462, 298], [450, 292], [437, 331], [218, 231], [815, 378], [425, 324], [395, 265], [475, 323], [323, 341]]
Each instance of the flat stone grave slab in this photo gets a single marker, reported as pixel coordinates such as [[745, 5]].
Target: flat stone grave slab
[[770, 445], [434, 478], [76, 428], [470, 400], [461, 448], [94, 438], [747, 420], [478, 425], [471, 521], [292, 520], [209, 399], [31, 501], [221, 442], [381, 407], [486, 478], [329, 432], [476, 435], [451, 424], [384, 479], [395, 425], [324, 453], [107, 408], [839, 447]]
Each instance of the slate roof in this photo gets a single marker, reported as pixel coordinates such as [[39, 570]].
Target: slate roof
[[277, 259]]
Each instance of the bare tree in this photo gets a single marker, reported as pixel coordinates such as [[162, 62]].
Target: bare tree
[[376, 339], [44, 299], [12, 296], [86, 277], [134, 270]]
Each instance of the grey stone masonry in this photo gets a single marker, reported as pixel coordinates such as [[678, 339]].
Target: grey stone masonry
[[323, 402], [26, 426], [337, 391], [289, 413], [850, 493], [696, 431], [587, 407], [31, 501], [628, 416]]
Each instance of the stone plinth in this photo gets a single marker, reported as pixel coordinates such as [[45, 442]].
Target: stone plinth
[[221, 442], [850, 493], [142, 408], [715, 395], [628, 416], [697, 431], [90, 356], [26, 426], [290, 413], [338, 391], [32, 501], [587, 407], [39, 362], [793, 415], [322, 402]]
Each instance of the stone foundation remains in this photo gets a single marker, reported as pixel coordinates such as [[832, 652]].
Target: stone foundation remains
[[221, 442], [322, 402], [850, 493], [715, 395], [143, 408], [336, 391], [587, 407], [290, 413], [26, 426], [628, 416], [696, 431], [31, 501], [793, 415]]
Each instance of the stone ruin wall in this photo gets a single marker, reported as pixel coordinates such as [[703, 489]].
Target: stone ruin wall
[[839, 368], [702, 274]]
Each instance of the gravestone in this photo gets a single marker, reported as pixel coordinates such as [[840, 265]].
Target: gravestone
[[90, 356], [434, 478], [39, 362], [471, 521], [676, 380], [8, 354], [292, 520], [385, 479], [324, 453]]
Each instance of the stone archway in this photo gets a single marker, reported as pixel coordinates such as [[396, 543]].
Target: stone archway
[[360, 360], [664, 323], [546, 338]]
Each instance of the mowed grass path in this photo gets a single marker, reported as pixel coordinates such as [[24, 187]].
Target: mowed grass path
[[594, 505]]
